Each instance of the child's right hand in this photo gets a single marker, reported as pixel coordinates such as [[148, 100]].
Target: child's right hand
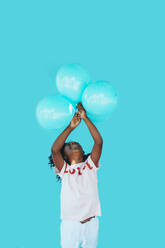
[[75, 120]]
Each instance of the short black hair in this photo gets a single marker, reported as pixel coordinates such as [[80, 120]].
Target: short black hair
[[52, 164]]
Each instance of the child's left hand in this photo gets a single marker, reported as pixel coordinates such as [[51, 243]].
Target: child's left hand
[[81, 110]]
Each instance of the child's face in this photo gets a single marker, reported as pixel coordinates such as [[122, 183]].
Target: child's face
[[73, 147]]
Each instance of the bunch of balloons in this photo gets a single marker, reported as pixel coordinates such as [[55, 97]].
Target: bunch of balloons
[[75, 85]]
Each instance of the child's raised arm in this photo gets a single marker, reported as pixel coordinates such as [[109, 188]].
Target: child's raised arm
[[60, 140], [98, 141]]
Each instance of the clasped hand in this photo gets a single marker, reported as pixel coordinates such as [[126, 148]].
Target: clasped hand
[[81, 114]]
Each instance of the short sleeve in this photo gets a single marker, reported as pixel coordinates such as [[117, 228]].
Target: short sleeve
[[92, 163], [60, 173]]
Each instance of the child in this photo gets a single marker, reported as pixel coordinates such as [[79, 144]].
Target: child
[[80, 204]]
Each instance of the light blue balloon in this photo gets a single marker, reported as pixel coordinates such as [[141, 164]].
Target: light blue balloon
[[71, 80], [54, 112], [99, 100]]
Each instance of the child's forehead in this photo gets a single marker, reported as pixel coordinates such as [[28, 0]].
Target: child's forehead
[[69, 143], [73, 142]]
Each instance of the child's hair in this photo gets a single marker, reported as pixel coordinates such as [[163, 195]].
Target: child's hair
[[52, 164]]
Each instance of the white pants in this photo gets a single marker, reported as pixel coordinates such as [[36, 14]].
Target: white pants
[[74, 233]]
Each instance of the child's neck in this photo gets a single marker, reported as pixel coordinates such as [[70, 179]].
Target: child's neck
[[76, 161]]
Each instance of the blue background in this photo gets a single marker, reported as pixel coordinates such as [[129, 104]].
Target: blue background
[[118, 41]]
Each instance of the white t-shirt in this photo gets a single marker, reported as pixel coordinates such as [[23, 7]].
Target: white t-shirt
[[79, 191]]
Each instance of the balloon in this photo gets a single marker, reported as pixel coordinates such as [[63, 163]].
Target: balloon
[[54, 112], [71, 80], [99, 99]]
